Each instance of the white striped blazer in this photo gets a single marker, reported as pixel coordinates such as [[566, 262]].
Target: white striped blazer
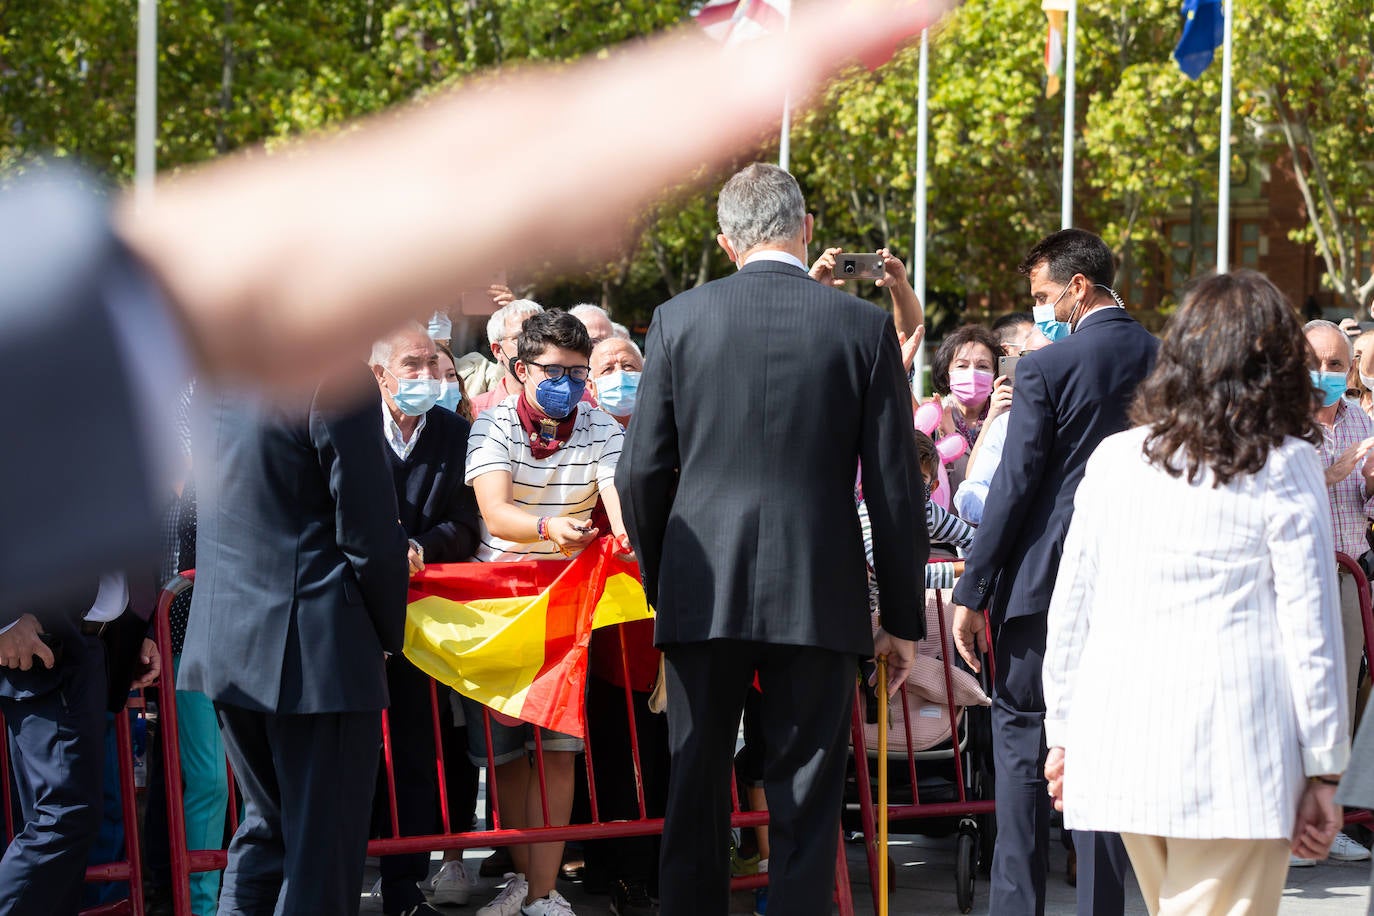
[[1193, 671]]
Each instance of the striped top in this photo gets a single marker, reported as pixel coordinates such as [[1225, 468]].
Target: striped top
[[1351, 507], [567, 482], [1194, 673]]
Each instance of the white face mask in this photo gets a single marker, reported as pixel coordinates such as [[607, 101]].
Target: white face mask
[[414, 396], [440, 327], [1367, 381]]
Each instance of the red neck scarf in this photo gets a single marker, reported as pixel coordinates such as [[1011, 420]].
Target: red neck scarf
[[546, 436]]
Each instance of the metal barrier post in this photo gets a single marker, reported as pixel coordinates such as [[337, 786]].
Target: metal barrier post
[[171, 750]]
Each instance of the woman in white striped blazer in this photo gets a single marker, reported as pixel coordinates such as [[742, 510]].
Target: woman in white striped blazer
[[1193, 671]]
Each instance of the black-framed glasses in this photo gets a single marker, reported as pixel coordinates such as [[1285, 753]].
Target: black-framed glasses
[[553, 372]]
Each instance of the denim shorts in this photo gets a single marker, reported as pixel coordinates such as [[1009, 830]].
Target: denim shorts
[[509, 742]]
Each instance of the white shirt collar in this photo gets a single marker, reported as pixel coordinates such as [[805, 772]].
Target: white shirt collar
[[395, 438], [769, 254]]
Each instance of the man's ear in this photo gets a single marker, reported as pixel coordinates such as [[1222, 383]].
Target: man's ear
[[726, 247], [520, 370], [379, 372], [808, 228]]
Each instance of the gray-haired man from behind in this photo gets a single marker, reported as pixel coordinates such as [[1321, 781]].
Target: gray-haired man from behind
[[760, 395]]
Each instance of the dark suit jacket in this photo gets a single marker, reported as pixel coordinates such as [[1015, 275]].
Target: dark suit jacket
[[64, 275], [1069, 397], [301, 564], [761, 393]]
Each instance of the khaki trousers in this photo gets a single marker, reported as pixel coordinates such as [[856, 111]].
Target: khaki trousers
[[1352, 628], [1208, 877]]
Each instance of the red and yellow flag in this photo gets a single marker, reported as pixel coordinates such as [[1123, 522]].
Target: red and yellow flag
[[1056, 11], [514, 636]]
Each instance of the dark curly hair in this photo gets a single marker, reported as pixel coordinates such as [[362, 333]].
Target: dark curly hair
[[552, 328], [969, 333], [1231, 381]]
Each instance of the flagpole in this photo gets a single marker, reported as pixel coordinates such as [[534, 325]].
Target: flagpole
[[145, 104], [1066, 201], [918, 244], [785, 141], [1224, 165]]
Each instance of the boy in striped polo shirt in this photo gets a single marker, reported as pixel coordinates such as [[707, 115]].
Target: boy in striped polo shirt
[[538, 461]]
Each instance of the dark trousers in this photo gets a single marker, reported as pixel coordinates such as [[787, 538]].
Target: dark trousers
[[807, 696], [411, 722], [306, 783], [628, 858], [57, 749], [1021, 856]]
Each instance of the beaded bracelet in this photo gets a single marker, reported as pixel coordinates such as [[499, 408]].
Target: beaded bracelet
[[543, 528]]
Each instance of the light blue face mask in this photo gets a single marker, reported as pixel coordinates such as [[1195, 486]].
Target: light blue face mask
[[1330, 385], [414, 396], [618, 392], [450, 395], [1047, 324]]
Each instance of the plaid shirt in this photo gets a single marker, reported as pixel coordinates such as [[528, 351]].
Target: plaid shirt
[[1351, 507]]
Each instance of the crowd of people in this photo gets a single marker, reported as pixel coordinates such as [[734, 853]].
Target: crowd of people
[[1147, 526]]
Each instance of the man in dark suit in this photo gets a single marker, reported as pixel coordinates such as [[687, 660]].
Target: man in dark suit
[[54, 692], [1069, 398], [300, 593], [426, 448], [760, 396]]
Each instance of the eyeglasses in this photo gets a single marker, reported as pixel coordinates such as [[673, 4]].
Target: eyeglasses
[[553, 372]]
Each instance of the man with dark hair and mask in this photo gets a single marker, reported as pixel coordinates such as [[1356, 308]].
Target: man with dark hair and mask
[[538, 462]]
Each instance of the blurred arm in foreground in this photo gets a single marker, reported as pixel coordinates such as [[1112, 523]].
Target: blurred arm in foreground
[[271, 271]]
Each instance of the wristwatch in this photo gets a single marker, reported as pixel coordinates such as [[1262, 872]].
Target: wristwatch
[[419, 551]]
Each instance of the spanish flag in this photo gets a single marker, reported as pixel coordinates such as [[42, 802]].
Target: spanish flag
[[1055, 11], [514, 636]]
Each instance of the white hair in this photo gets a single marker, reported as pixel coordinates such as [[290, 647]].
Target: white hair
[[383, 348], [520, 308], [620, 332], [623, 340], [586, 308], [1332, 326]]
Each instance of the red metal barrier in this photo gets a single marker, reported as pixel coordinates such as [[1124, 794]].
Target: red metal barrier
[[184, 863], [959, 756], [129, 869], [1348, 564]]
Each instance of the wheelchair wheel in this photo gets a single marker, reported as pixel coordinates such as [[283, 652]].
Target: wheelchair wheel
[[965, 865]]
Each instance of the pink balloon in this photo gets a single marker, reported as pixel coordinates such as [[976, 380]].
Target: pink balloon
[[940, 495], [928, 417], [951, 448]]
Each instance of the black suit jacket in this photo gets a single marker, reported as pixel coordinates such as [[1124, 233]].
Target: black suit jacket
[[761, 393], [1069, 397], [301, 564], [64, 274]]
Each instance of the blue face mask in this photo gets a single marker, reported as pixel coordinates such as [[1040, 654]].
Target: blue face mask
[[1047, 324], [450, 395], [415, 396], [618, 392], [1330, 385], [558, 398]]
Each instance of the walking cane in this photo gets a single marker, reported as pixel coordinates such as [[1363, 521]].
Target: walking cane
[[882, 785]]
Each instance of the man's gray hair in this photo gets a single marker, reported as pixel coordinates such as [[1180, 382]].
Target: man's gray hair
[[520, 308], [633, 346], [1332, 326], [620, 332], [382, 349], [760, 204], [586, 308]]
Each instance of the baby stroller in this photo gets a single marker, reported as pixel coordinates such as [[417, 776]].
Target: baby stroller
[[939, 753]]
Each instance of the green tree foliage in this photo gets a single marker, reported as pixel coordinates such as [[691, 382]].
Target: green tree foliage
[[234, 73]]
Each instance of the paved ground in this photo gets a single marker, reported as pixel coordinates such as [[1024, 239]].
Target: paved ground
[[925, 885]]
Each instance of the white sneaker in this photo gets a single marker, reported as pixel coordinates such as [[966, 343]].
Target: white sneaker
[[1295, 862], [1347, 850], [452, 884], [553, 905], [376, 890], [511, 899]]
